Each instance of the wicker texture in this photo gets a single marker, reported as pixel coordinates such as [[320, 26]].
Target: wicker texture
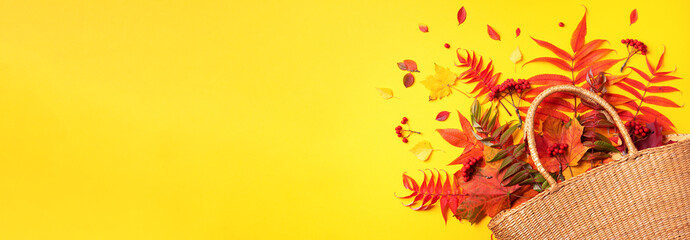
[[644, 195]]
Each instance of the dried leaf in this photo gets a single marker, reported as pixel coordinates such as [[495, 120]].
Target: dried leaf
[[462, 15], [516, 56], [517, 32], [424, 28], [408, 79], [440, 83], [442, 116], [386, 93], [492, 33], [410, 65], [486, 195], [555, 131], [633, 16], [422, 150]]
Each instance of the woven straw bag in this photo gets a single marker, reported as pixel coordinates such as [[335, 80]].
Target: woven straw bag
[[644, 195]]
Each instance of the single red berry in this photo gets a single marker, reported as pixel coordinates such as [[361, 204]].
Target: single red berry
[[399, 134], [561, 24], [446, 45], [405, 140]]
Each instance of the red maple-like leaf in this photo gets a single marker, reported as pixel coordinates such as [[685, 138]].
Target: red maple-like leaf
[[555, 131], [463, 139], [485, 195]]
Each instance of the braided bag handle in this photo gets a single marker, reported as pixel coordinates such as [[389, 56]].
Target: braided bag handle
[[584, 94]]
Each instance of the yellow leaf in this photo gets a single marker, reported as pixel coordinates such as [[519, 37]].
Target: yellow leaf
[[440, 83], [386, 93], [422, 150], [516, 56]]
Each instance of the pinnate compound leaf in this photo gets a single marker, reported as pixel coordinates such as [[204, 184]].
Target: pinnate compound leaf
[[433, 189], [633, 16], [386, 93], [442, 116], [422, 150], [462, 15], [492, 33]]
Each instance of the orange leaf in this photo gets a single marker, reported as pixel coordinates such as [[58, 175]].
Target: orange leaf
[[492, 33], [554, 131]]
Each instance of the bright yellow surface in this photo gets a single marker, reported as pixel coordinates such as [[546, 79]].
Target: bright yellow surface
[[256, 119]]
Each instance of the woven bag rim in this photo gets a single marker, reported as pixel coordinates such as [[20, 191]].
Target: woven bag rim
[[498, 219]]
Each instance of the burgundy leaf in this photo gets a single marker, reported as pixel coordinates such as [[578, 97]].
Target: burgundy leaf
[[408, 79], [633, 16], [492, 33], [462, 15], [442, 116]]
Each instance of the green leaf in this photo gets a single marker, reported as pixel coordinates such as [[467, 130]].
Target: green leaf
[[506, 135], [522, 176], [512, 170], [604, 146], [519, 150], [476, 108], [499, 155], [506, 162]]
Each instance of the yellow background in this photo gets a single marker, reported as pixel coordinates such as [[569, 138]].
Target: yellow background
[[255, 119]]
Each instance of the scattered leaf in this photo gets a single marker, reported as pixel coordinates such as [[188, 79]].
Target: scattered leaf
[[408, 65], [492, 33], [440, 83], [408, 79], [517, 32], [424, 28], [516, 56], [462, 15], [633, 16], [422, 150], [386, 93], [442, 116]]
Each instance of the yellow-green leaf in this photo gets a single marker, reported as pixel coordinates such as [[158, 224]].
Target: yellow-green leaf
[[386, 93], [516, 56], [422, 150]]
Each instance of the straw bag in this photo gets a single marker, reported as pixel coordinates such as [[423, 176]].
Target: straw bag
[[644, 195]]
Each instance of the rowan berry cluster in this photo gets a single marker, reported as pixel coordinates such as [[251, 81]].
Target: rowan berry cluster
[[636, 45], [467, 169], [557, 149], [637, 130], [508, 87], [402, 132]]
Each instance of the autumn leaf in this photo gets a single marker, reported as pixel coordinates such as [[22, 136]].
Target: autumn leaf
[[492, 33], [517, 32], [386, 93], [464, 138], [422, 150], [578, 38], [424, 28], [516, 56], [408, 65], [433, 189], [486, 195], [408, 79], [462, 15], [440, 83], [633, 16], [442, 116], [654, 139], [555, 131]]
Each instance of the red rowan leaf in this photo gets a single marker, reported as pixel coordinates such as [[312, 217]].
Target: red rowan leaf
[[629, 90], [596, 67], [588, 48], [661, 78], [550, 79], [656, 115], [616, 99], [408, 79], [660, 101], [492, 33], [462, 15], [578, 38], [431, 191], [594, 56], [424, 28], [517, 32], [634, 83], [633, 16], [662, 89], [554, 61], [661, 60], [641, 73], [442, 116], [559, 52]]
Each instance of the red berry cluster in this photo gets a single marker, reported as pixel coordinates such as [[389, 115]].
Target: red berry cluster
[[557, 149], [467, 169], [508, 87], [637, 130], [637, 45], [400, 131]]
